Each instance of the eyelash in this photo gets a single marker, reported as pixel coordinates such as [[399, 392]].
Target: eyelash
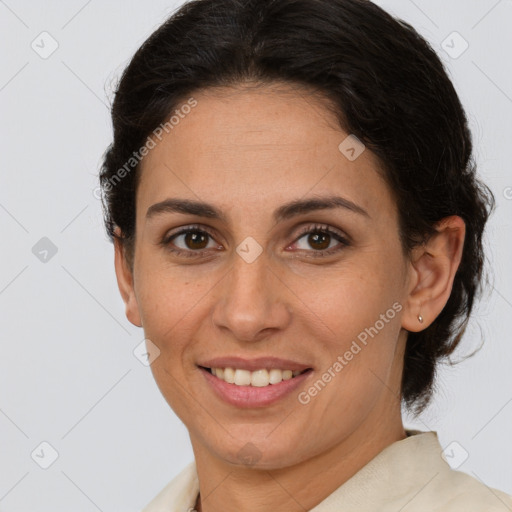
[[317, 228]]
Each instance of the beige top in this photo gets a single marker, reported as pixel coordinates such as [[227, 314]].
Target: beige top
[[409, 475]]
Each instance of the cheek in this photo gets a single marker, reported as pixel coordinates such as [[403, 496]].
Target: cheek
[[167, 300], [351, 297], [354, 314]]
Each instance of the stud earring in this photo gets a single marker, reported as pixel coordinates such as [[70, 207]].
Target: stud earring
[[420, 319]]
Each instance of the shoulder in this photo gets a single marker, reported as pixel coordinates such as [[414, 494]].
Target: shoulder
[[435, 486], [411, 475], [456, 490], [179, 494]]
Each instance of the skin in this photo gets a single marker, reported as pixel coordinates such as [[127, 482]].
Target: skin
[[248, 151]]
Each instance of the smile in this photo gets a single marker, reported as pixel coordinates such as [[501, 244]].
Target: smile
[[253, 388], [259, 378]]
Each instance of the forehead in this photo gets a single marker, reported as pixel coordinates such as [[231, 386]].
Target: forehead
[[245, 145]]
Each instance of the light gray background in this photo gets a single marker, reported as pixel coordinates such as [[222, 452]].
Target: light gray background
[[68, 375]]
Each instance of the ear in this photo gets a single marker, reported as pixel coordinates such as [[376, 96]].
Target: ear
[[432, 271], [125, 282]]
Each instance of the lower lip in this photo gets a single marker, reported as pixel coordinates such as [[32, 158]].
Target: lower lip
[[253, 396]]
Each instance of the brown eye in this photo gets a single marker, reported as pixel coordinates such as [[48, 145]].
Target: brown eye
[[319, 241], [191, 241], [196, 239]]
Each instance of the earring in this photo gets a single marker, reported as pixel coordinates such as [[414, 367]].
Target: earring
[[420, 319]]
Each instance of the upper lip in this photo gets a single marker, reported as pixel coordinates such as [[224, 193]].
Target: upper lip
[[252, 365]]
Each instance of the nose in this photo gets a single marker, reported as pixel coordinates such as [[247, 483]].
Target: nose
[[253, 300]]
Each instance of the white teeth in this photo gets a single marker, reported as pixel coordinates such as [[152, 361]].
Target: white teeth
[[242, 377], [229, 375], [275, 376], [258, 378]]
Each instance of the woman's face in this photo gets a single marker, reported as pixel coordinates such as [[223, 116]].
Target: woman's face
[[261, 282]]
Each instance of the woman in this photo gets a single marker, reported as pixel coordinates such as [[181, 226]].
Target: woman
[[298, 229]]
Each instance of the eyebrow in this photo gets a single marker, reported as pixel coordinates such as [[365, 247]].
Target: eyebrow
[[284, 212]]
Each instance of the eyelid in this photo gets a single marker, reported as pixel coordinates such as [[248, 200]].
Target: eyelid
[[184, 229]]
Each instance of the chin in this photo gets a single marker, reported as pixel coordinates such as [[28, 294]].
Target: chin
[[266, 453]]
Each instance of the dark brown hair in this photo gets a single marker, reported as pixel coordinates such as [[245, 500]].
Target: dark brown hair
[[389, 88]]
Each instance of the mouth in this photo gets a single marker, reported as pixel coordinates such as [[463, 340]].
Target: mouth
[[259, 378], [254, 383], [260, 383]]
